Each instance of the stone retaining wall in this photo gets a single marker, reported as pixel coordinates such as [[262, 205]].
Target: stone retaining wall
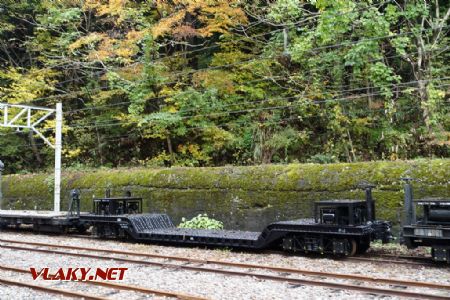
[[243, 197]]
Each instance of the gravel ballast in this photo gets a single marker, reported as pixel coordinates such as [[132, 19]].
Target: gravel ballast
[[208, 285]]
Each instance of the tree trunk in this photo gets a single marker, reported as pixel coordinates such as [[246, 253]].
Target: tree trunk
[[34, 148], [99, 146], [169, 147], [423, 95], [352, 149]]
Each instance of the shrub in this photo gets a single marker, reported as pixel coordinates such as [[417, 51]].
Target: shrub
[[202, 221]]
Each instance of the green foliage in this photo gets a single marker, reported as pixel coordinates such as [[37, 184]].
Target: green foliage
[[322, 159], [202, 221], [211, 83], [50, 183], [283, 10]]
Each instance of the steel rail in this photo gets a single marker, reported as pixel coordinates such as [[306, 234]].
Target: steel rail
[[391, 261], [119, 286], [51, 290], [294, 281], [418, 258], [382, 258], [246, 265]]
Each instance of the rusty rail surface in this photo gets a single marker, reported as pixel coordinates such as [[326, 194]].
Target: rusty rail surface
[[246, 265], [118, 286], [51, 290], [365, 289]]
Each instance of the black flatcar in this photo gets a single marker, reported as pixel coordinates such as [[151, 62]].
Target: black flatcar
[[432, 229], [339, 227]]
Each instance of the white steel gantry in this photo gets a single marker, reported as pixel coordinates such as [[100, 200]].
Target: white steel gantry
[[29, 117]]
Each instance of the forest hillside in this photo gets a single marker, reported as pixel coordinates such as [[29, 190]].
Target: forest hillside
[[213, 83]]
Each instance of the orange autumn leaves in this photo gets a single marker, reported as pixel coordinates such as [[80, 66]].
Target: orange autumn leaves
[[183, 19], [179, 20]]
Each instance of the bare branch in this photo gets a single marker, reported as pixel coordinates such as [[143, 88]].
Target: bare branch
[[441, 27]]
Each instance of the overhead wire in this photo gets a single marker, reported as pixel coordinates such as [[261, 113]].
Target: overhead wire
[[297, 96], [268, 78], [116, 123], [237, 122], [163, 97], [297, 118], [112, 124], [237, 63]]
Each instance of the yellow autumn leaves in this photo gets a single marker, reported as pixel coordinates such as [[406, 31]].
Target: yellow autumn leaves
[[187, 18]]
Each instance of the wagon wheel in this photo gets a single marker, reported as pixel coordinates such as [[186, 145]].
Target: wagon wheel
[[353, 247]]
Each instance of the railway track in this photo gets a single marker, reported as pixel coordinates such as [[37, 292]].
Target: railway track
[[51, 290], [377, 259], [390, 259], [393, 260], [408, 257], [116, 286], [9, 244], [406, 260]]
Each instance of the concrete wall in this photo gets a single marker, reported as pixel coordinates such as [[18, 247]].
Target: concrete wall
[[243, 197]]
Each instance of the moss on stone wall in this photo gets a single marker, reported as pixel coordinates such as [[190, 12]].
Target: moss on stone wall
[[244, 197]]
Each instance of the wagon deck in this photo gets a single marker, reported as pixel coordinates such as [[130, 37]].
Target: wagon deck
[[40, 220]]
